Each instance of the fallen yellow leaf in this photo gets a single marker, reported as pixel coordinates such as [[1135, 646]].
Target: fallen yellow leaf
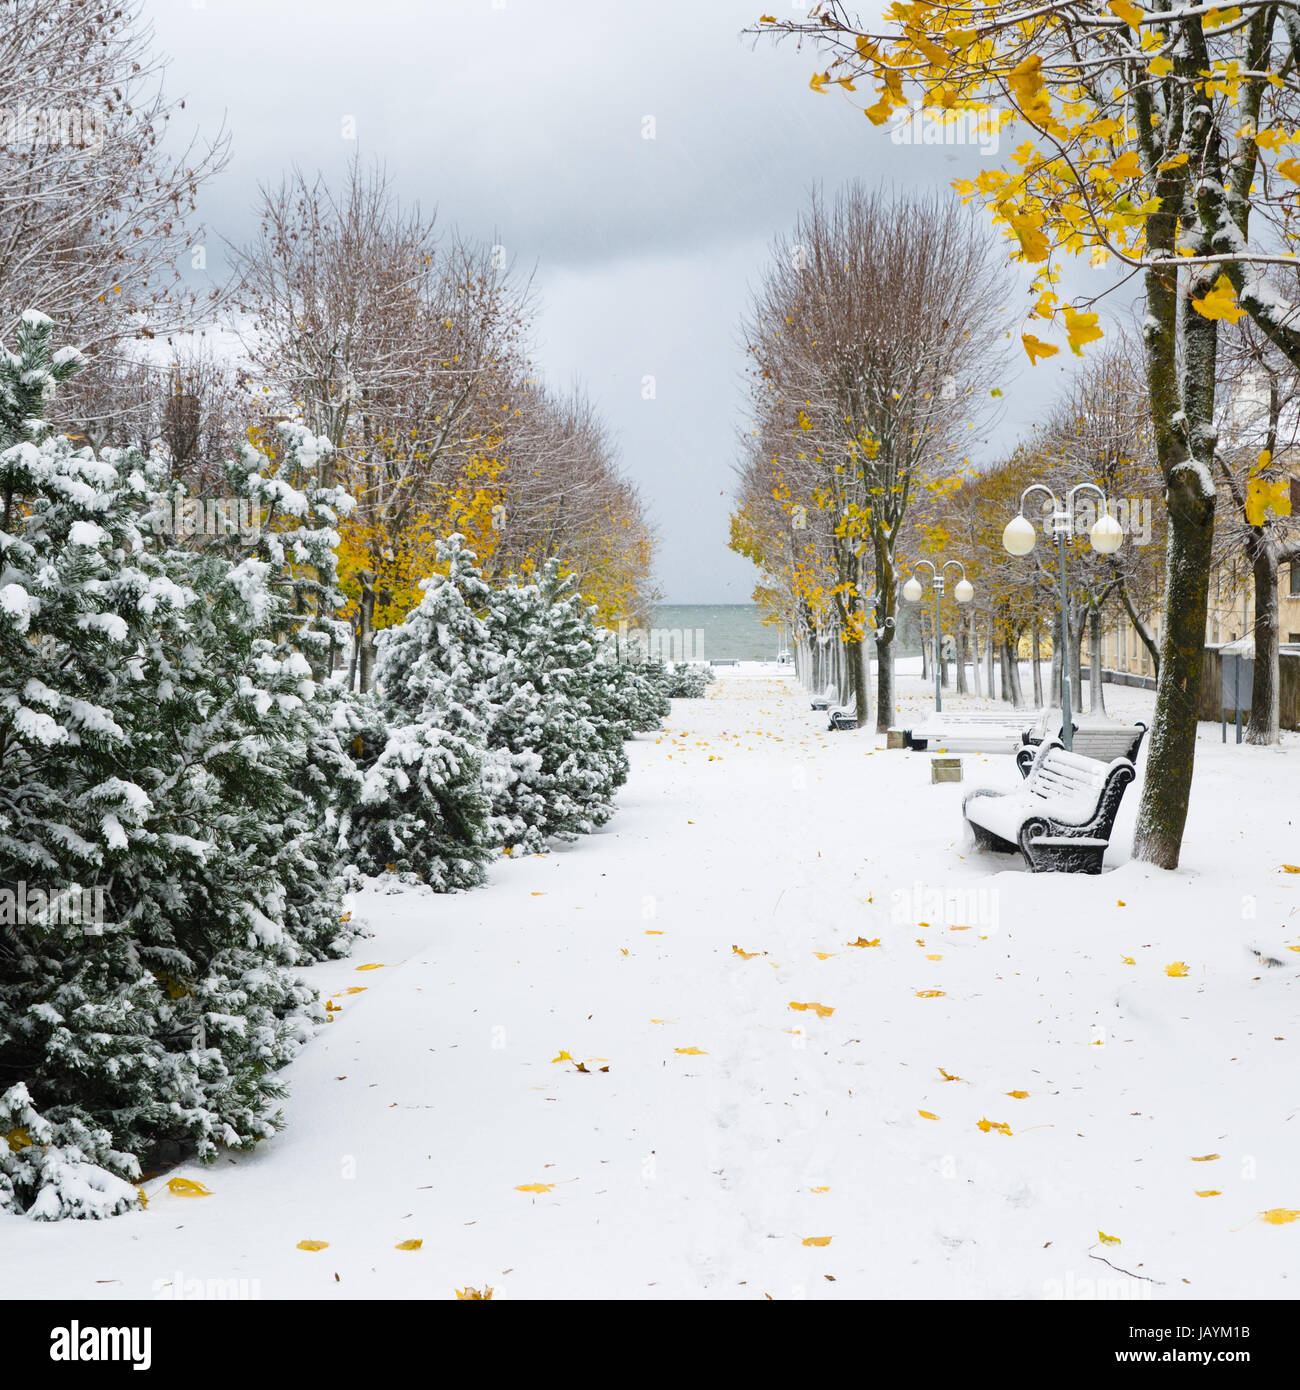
[[744, 955], [1204, 1158], [927, 1115], [946, 1077], [1001, 1126], [817, 1240], [474, 1295], [819, 1189], [313, 1245], [823, 955], [1108, 1240], [536, 1187], [408, 1245], [821, 1010], [1279, 1216], [690, 1052], [1017, 1095], [1176, 968], [929, 994], [1210, 1192], [374, 965], [862, 941], [183, 1187], [563, 1057], [1291, 868]]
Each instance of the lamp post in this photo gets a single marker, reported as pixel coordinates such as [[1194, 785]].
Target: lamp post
[[962, 592], [1105, 536]]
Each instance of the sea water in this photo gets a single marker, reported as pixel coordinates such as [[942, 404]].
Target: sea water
[[724, 632]]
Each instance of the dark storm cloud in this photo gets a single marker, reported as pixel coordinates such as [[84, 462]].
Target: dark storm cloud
[[526, 123]]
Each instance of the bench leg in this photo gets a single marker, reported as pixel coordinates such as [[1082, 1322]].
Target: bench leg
[[986, 839], [1065, 859]]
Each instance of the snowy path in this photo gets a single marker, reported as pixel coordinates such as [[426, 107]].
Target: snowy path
[[432, 1098]]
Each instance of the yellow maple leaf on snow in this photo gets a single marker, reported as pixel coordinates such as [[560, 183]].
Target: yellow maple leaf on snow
[[184, 1187]]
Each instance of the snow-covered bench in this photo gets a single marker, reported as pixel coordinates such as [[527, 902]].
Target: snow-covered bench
[[1105, 742], [977, 731], [822, 702], [843, 719], [1061, 818]]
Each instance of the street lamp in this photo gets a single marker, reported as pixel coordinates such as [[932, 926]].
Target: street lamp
[[962, 592], [1106, 536]]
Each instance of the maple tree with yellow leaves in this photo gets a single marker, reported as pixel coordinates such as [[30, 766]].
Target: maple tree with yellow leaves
[[1157, 138]]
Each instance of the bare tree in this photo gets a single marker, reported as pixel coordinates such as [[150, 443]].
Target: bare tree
[[93, 207], [877, 328]]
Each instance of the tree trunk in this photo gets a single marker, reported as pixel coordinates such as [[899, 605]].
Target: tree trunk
[[1054, 694], [1037, 637], [366, 637], [1171, 748], [1180, 387], [988, 658], [861, 667], [1096, 691], [356, 653], [1076, 660], [975, 655], [1013, 672], [1264, 697], [1145, 635], [885, 681], [960, 639]]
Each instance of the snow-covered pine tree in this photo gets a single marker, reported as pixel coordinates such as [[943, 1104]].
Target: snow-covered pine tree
[[423, 807], [155, 717], [687, 680], [631, 694], [563, 759]]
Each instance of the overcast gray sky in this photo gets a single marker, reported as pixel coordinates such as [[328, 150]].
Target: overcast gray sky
[[524, 122]]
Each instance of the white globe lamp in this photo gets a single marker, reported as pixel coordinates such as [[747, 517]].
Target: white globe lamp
[[1018, 536]]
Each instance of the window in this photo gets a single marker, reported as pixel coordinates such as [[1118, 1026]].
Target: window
[[1294, 589], [1293, 638]]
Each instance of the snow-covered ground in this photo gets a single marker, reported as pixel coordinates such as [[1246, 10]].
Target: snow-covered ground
[[828, 1050]]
